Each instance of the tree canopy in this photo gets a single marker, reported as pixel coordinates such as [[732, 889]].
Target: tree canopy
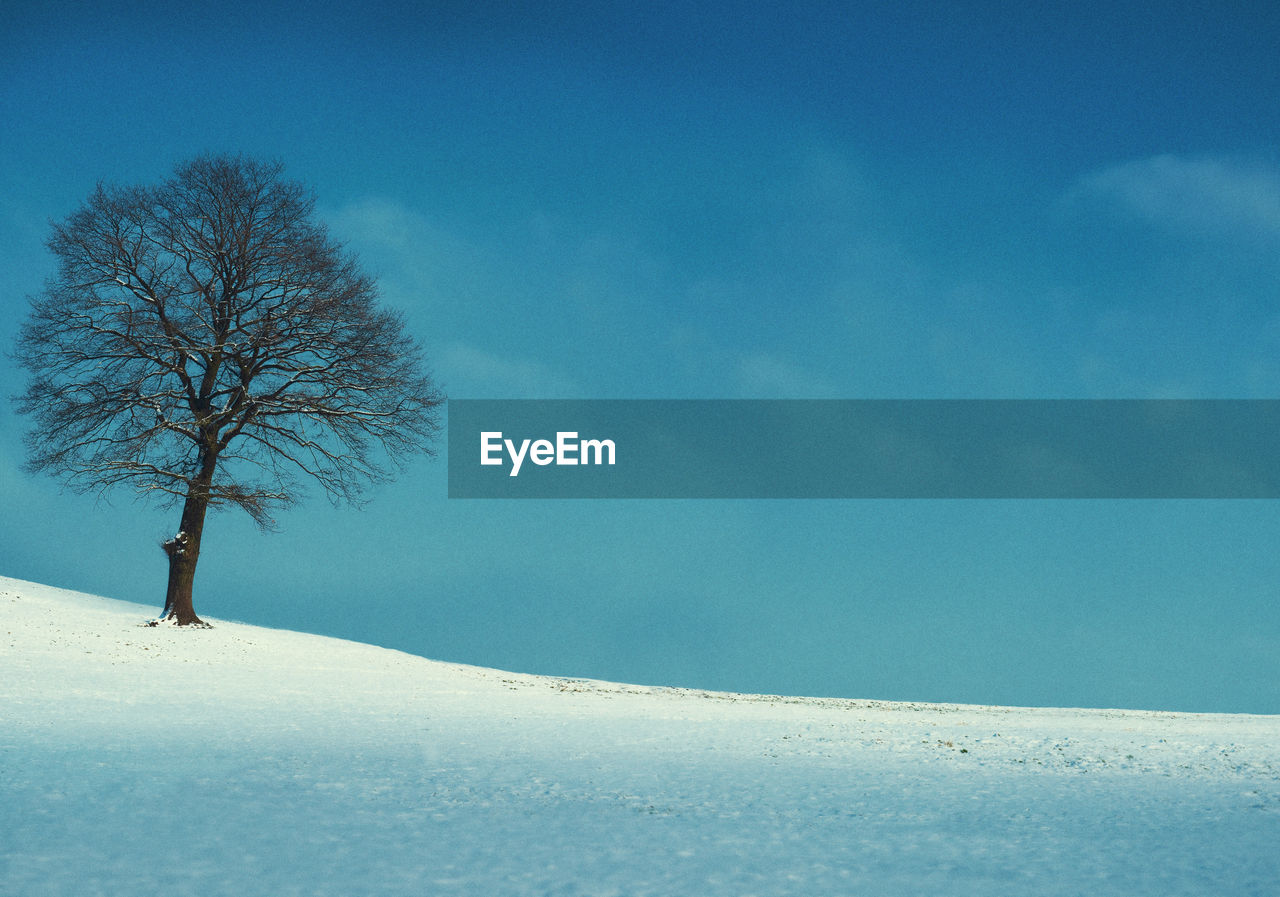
[[206, 342]]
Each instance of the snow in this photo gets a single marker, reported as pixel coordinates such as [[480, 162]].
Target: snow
[[239, 760]]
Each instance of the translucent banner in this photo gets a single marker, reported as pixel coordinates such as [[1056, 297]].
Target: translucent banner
[[912, 448]]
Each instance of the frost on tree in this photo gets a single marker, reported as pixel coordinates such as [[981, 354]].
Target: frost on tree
[[205, 342]]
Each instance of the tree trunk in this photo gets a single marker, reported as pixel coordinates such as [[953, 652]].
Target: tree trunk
[[183, 551]]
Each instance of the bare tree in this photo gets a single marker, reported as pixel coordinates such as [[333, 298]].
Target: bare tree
[[206, 342]]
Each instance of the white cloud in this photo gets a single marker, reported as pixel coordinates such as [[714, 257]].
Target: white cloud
[[474, 373], [385, 222], [415, 259], [764, 376], [1220, 196]]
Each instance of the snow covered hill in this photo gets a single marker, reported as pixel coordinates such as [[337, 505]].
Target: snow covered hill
[[241, 761]]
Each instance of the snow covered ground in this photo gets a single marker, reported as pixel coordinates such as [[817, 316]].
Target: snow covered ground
[[241, 761]]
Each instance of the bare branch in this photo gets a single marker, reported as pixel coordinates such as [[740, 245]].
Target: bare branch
[[210, 324]]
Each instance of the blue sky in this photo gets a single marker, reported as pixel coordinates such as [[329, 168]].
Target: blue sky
[[736, 200]]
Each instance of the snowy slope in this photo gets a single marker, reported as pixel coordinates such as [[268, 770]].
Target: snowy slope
[[242, 761]]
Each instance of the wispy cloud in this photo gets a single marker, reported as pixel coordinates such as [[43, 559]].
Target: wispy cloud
[[1207, 196], [402, 242], [381, 221], [766, 376], [474, 373]]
